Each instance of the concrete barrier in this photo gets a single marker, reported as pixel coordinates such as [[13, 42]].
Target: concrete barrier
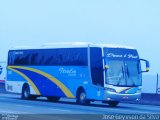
[[149, 99]]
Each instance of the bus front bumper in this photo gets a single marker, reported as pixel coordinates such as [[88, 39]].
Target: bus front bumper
[[112, 96]]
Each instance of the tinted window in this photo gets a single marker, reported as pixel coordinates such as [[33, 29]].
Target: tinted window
[[96, 66], [64, 56]]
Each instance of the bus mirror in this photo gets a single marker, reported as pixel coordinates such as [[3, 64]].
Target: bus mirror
[[106, 67], [146, 65], [147, 69]]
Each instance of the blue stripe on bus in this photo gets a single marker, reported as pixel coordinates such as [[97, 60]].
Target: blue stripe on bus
[[43, 75], [44, 85]]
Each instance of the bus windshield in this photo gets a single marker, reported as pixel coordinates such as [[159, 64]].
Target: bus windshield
[[123, 73], [124, 67]]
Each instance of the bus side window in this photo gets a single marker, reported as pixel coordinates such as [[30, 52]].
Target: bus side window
[[34, 59]]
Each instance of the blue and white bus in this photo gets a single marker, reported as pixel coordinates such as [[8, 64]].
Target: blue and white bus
[[86, 72], [3, 65]]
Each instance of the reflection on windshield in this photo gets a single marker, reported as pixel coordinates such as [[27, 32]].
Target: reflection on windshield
[[122, 73]]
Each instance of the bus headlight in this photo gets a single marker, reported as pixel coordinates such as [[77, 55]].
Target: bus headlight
[[139, 91], [110, 90]]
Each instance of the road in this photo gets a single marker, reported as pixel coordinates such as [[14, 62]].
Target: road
[[12, 104]]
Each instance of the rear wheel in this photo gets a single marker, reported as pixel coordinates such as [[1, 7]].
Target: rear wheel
[[81, 98], [113, 103], [26, 93], [53, 99]]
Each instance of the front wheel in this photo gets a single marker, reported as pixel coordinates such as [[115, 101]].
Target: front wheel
[[113, 103], [81, 98]]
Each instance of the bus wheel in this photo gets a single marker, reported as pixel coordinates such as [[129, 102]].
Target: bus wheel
[[81, 98], [113, 103], [26, 92], [53, 99]]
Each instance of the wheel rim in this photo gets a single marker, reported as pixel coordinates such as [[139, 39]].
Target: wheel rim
[[82, 96], [26, 93]]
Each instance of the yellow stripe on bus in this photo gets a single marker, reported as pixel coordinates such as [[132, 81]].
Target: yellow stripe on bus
[[28, 79], [122, 89], [65, 90]]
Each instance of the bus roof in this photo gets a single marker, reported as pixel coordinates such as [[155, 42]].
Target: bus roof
[[70, 45]]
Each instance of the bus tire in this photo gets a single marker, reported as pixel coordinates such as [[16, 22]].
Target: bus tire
[[32, 97], [53, 98], [81, 98], [26, 92], [113, 103]]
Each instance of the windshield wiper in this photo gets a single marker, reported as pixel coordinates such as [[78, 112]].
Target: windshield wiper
[[128, 74], [123, 72], [122, 75]]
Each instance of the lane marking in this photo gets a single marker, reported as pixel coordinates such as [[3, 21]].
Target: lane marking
[[19, 105], [13, 112], [55, 109], [131, 111]]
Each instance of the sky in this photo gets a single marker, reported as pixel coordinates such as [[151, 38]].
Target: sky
[[127, 22]]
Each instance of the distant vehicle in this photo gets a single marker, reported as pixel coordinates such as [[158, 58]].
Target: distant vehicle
[[1, 68], [86, 72], [3, 65]]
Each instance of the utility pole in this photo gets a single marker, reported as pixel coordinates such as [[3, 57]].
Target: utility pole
[[157, 89]]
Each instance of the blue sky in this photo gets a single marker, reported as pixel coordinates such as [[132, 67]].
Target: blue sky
[[128, 22]]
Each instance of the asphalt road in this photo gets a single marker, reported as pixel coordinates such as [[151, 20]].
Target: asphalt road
[[12, 104], [66, 109]]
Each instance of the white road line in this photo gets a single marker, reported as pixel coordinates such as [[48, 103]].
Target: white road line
[[55, 109], [13, 112], [19, 105], [115, 110], [143, 105], [129, 111], [70, 111]]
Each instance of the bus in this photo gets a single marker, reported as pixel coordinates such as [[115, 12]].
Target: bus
[[3, 65], [86, 72]]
